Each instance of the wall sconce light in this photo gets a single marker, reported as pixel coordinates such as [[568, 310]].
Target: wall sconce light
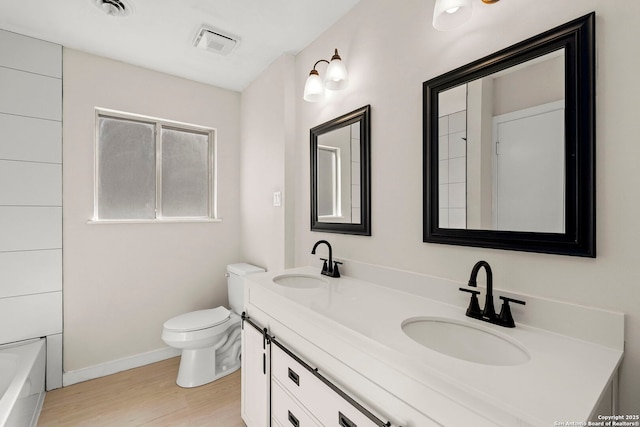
[[449, 14], [336, 78]]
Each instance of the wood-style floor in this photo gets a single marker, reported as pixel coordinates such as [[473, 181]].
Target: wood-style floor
[[145, 396]]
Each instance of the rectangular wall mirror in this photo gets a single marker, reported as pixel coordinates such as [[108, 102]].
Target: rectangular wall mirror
[[340, 174], [509, 147]]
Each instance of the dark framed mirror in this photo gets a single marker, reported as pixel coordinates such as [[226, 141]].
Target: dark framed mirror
[[341, 174], [509, 147]]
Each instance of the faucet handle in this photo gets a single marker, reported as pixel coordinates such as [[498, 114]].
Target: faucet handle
[[474, 309], [325, 267], [335, 272], [506, 318], [517, 301]]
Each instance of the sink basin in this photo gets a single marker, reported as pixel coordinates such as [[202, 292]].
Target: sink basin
[[300, 281], [464, 341]]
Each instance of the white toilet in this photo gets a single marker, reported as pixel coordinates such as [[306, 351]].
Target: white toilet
[[210, 339]]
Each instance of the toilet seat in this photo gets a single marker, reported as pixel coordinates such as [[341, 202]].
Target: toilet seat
[[198, 320]]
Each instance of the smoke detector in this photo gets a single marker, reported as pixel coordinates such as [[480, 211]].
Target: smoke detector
[[216, 41], [115, 7]]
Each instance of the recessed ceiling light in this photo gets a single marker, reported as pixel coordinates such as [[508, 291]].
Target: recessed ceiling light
[[115, 7]]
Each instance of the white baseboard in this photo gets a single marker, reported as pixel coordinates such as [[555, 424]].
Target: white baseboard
[[119, 365]]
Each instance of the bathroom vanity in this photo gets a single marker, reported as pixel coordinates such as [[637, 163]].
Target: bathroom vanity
[[384, 347]]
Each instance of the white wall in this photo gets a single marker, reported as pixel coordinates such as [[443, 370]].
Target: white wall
[[389, 49], [123, 281], [31, 195], [267, 114]]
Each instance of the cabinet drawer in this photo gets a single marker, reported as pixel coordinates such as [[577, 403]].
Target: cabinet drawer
[[325, 403], [338, 412], [286, 411], [293, 376]]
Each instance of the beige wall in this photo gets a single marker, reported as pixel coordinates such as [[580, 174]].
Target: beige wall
[[267, 115], [389, 49], [121, 282], [537, 84]]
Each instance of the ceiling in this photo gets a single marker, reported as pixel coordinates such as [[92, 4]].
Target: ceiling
[[159, 34]]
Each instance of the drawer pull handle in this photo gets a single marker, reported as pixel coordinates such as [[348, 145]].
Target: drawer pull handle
[[294, 377], [343, 421], [292, 419]]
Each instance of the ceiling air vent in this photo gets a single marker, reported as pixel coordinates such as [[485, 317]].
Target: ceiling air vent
[[115, 7], [215, 41]]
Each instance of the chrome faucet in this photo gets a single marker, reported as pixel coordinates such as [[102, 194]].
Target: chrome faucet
[[488, 313], [330, 269]]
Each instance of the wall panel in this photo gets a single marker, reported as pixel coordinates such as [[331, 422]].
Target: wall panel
[[19, 277], [28, 228], [31, 194], [30, 316], [30, 184], [29, 54], [30, 138], [32, 95]]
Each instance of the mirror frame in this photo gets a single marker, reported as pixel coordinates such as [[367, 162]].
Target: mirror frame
[[362, 115], [578, 39]]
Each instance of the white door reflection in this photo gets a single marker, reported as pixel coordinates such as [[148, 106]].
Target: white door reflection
[[530, 149]]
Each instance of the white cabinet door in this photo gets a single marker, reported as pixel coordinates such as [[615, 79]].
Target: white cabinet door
[[255, 377]]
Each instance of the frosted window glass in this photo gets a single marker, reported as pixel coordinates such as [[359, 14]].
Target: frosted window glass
[[126, 169], [185, 174]]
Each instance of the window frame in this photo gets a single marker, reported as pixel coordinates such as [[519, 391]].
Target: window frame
[[159, 124], [336, 183]]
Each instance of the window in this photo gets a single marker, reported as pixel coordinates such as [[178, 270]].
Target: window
[[328, 181], [150, 169]]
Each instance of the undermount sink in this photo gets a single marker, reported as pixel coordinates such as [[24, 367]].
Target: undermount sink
[[464, 341], [300, 281]]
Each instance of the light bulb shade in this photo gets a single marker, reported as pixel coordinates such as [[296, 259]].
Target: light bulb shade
[[313, 88], [449, 14], [337, 77]]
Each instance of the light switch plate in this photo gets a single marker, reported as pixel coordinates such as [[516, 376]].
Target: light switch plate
[[277, 198]]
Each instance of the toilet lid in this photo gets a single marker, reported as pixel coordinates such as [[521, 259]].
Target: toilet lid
[[197, 320]]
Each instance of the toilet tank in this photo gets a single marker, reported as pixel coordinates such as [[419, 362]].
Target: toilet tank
[[235, 282]]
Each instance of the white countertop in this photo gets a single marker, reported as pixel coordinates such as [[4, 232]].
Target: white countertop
[[562, 381]]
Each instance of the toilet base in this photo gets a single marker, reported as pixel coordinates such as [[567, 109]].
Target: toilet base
[[196, 368], [203, 365]]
